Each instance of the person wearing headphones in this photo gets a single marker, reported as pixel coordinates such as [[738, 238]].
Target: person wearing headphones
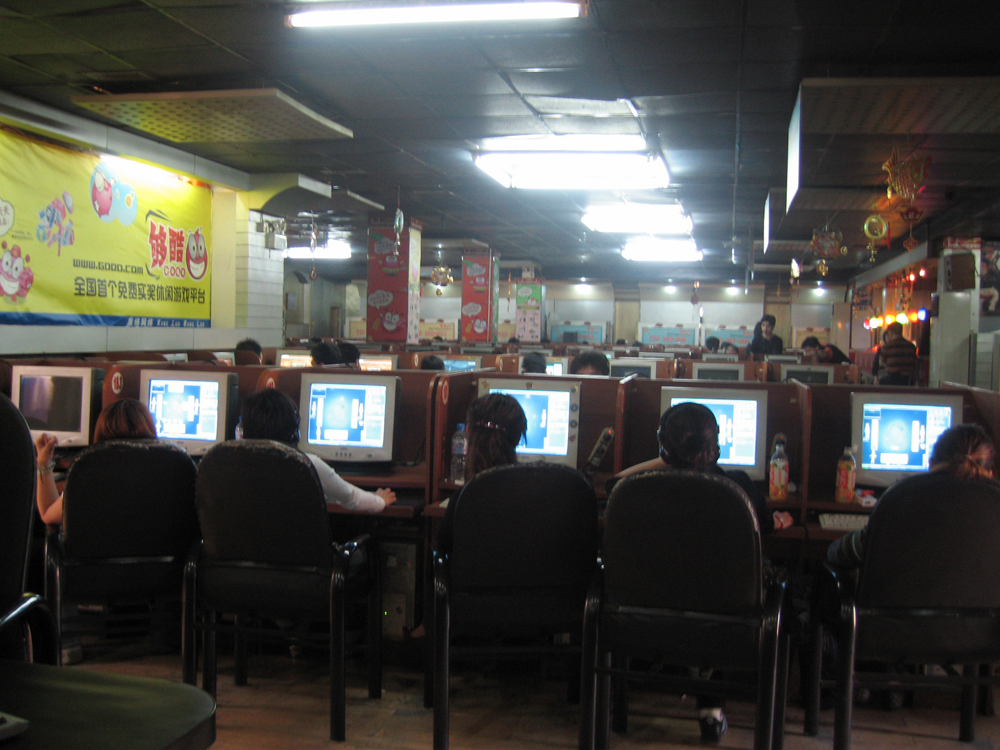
[[271, 415]]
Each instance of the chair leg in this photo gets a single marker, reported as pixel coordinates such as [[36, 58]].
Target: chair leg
[[189, 641], [845, 690], [770, 667], [240, 651], [812, 673], [442, 669], [209, 671], [428, 655], [588, 681], [780, 695], [338, 696], [984, 704], [602, 709], [619, 695], [375, 641], [967, 720]]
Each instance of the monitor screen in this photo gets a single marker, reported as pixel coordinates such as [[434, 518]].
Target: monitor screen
[[552, 409], [459, 363], [811, 374], [378, 362], [623, 367], [557, 365], [228, 358], [294, 358], [58, 400], [348, 418], [893, 434], [717, 370], [193, 409], [742, 418]]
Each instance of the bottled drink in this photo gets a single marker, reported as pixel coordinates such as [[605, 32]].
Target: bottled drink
[[846, 472], [778, 471], [459, 445]]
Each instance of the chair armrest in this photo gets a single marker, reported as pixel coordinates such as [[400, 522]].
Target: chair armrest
[[35, 612], [442, 578], [833, 594]]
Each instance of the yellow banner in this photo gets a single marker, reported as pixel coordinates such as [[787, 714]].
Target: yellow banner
[[89, 240]]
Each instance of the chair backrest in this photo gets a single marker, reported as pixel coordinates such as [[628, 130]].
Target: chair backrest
[[129, 498], [932, 543], [529, 527], [682, 540], [261, 501], [17, 500]]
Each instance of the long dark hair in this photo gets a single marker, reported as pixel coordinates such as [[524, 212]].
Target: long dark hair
[[689, 437], [495, 424], [964, 451]]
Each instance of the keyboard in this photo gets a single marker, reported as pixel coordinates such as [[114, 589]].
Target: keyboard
[[842, 521]]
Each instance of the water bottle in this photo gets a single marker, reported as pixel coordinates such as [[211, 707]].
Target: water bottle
[[459, 445], [778, 471], [846, 472]]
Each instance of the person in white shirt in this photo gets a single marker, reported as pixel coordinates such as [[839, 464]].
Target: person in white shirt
[[271, 415]]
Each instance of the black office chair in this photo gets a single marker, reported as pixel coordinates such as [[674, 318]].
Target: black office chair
[[928, 592], [129, 523], [683, 585], [268, 553], [522, 555]]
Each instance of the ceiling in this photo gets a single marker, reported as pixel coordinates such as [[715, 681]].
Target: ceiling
[[714, 82]]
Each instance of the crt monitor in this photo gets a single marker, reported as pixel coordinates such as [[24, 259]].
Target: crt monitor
[[377, 362], [779, 358], [62, 401], [742, 418], [715, 357], [462, 362], [809, 374], [227, 358], [717, 370], [893, 433], [349, 418], [552, 408], [193, 409], [625, 366], [293, 358], [656, 355], [557, 365]]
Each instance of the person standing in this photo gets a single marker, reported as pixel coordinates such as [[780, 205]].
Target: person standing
[[898, 356], [764, 341]]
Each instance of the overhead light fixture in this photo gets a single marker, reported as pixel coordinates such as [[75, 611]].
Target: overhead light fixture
[[335, 250], [663, 250], [732, 291], [387, 12], [638, 218], [819, 291], [573, 162]]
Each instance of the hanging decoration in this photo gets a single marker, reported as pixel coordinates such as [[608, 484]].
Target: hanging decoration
[[822, 268], [313, 241], [911, 215], [906, 178], [827, 242], [796, 269], [441, 276], [876, 229], [694, 294]]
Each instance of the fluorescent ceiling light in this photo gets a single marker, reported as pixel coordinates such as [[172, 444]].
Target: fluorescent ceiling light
[[672, 250], [335, 250], [575, 170], [361, 14], [577, 142], [638, 218], [732, 291]]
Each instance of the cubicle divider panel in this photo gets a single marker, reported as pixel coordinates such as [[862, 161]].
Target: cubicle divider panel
[[508, 363], [453, 393], [986, 409]]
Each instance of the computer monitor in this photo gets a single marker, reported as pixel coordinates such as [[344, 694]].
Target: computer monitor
[[462, 362], [293, 358], [176, 356], [626, 366], [557, 365], [717, 370], [228, 358], [552, 408], [782, 358], [892, 434], [378, 362], [349, 418], [193, 409], [62, 401], [678, 351], [714, 357], [476, 349], [742, 418], [658, 355], [811, 374]]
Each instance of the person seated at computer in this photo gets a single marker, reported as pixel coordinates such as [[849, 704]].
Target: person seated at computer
[[350, 354], [326, 354], [126, 419], [437, 339], [432, 362], [514, 340], [689, 439], [533, 363], [248, 345], [712, 344], [730, 348], [964, 452], [621, 342], [823, 354], [590, 363], [271, 415], [764, 341], [896, 361]]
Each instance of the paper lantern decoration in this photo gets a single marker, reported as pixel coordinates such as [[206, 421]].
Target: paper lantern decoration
[[906, 178]]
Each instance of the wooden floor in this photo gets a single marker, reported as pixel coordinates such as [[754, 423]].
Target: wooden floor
[[285, 706]]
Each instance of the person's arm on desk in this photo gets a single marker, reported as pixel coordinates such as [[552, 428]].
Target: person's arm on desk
[[50, 502], [346, 494]]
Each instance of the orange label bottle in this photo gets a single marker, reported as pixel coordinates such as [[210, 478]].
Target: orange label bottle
[[846, 471], [778, 472]]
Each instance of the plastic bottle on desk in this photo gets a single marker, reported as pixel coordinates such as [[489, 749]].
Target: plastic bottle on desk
[[778, 471], [459, 446], [846, 472]]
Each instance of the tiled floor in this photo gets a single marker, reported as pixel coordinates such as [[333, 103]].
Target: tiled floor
[[286, 706]]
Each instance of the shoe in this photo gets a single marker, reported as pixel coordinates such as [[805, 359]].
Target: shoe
[[712, 729]]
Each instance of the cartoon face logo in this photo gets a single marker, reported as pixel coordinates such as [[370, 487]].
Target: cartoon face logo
[[15, 278], [111, 198], [100, 192], [390, 320], [197, 254], [479, 325]]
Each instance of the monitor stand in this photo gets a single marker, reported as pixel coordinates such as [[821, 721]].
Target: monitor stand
[[362, 468]]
